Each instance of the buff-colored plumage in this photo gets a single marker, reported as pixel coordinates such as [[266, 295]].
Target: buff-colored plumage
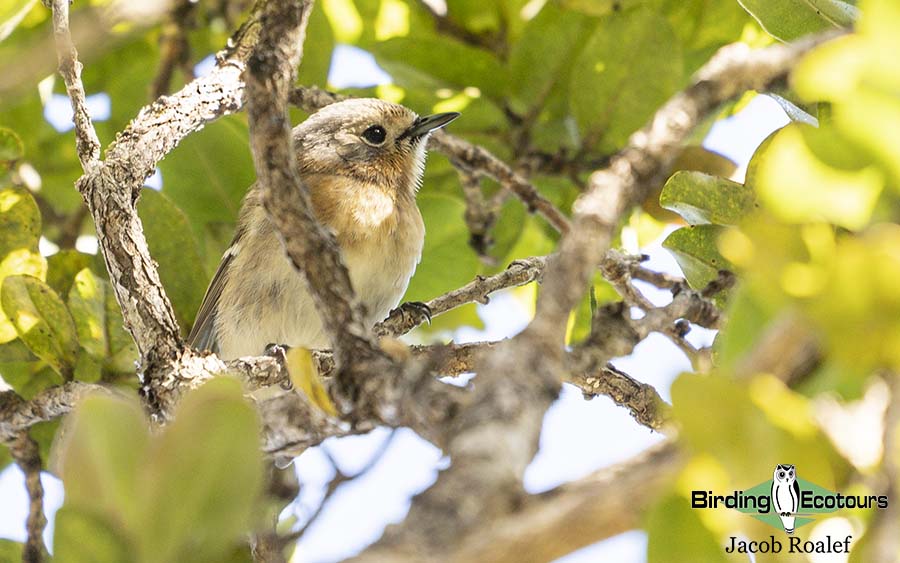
[[363, 191]]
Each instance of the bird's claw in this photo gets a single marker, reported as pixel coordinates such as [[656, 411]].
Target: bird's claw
[[419, 310], [279, 352]]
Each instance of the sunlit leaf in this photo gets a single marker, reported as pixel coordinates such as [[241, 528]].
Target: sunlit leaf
[[701, 198], [697, 253], [429, 56], [42, 321], [790, 19], [796, 185], [64, 265], [610, 94], [676, 533], [746, 438]]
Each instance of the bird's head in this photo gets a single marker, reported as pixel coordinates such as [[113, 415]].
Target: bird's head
[[367, 140]]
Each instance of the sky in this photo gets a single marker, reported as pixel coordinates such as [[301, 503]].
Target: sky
[[401, 463]]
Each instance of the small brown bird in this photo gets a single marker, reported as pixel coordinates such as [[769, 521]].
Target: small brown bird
[[362, 161]]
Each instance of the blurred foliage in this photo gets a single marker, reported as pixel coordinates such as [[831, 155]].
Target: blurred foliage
[[161, 497], [810, 232]]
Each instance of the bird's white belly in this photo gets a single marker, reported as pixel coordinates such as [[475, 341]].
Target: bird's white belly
[[280, 309]]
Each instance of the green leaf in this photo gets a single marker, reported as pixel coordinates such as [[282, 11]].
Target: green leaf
[[601, 7], [610, 94], [175, 248], [317, 59], [855, 74], [756, 421], [705, 24], [101, 456], [125, 74], [11, 149], [42, 321], [82, 536], [200, 494], [446, 242], [64, 265], [695, 249], [550, 41], [701, 198], [5, 459], [806, 174], [87, 304], [20, 221], [98, 321], [16, 351], [791, 19], [478, 16], [44, 433], [209, 173], [430, 56], [20, 231], [50, 153], [9, 550], [676, 534], [29, 378]]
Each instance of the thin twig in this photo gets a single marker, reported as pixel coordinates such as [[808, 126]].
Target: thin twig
[[478, 290], [86, 141], [25, 451], [175, 50]]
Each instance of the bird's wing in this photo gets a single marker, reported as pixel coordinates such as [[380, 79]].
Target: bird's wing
[[796, 487], [203, 334]]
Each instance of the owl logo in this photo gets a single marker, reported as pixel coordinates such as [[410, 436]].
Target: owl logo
[[786, 495]]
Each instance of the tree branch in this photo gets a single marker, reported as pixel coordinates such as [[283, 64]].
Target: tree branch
[[518, 273], [311, 248], [86, 141], [550, 525], [496, 435], [648, 157], [25, 451]]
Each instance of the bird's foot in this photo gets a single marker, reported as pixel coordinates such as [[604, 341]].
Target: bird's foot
[[420, 311], [279, 352]]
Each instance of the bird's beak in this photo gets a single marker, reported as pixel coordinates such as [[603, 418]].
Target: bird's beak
[[423, 125]]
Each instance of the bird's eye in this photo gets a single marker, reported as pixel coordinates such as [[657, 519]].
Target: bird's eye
[[375, 134]]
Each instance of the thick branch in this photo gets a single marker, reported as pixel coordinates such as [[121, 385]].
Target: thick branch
[[551, 525], [110, 189], [17, 415], [497, 434]]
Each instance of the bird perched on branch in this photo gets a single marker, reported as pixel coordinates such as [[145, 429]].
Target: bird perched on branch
[[362, 161]]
